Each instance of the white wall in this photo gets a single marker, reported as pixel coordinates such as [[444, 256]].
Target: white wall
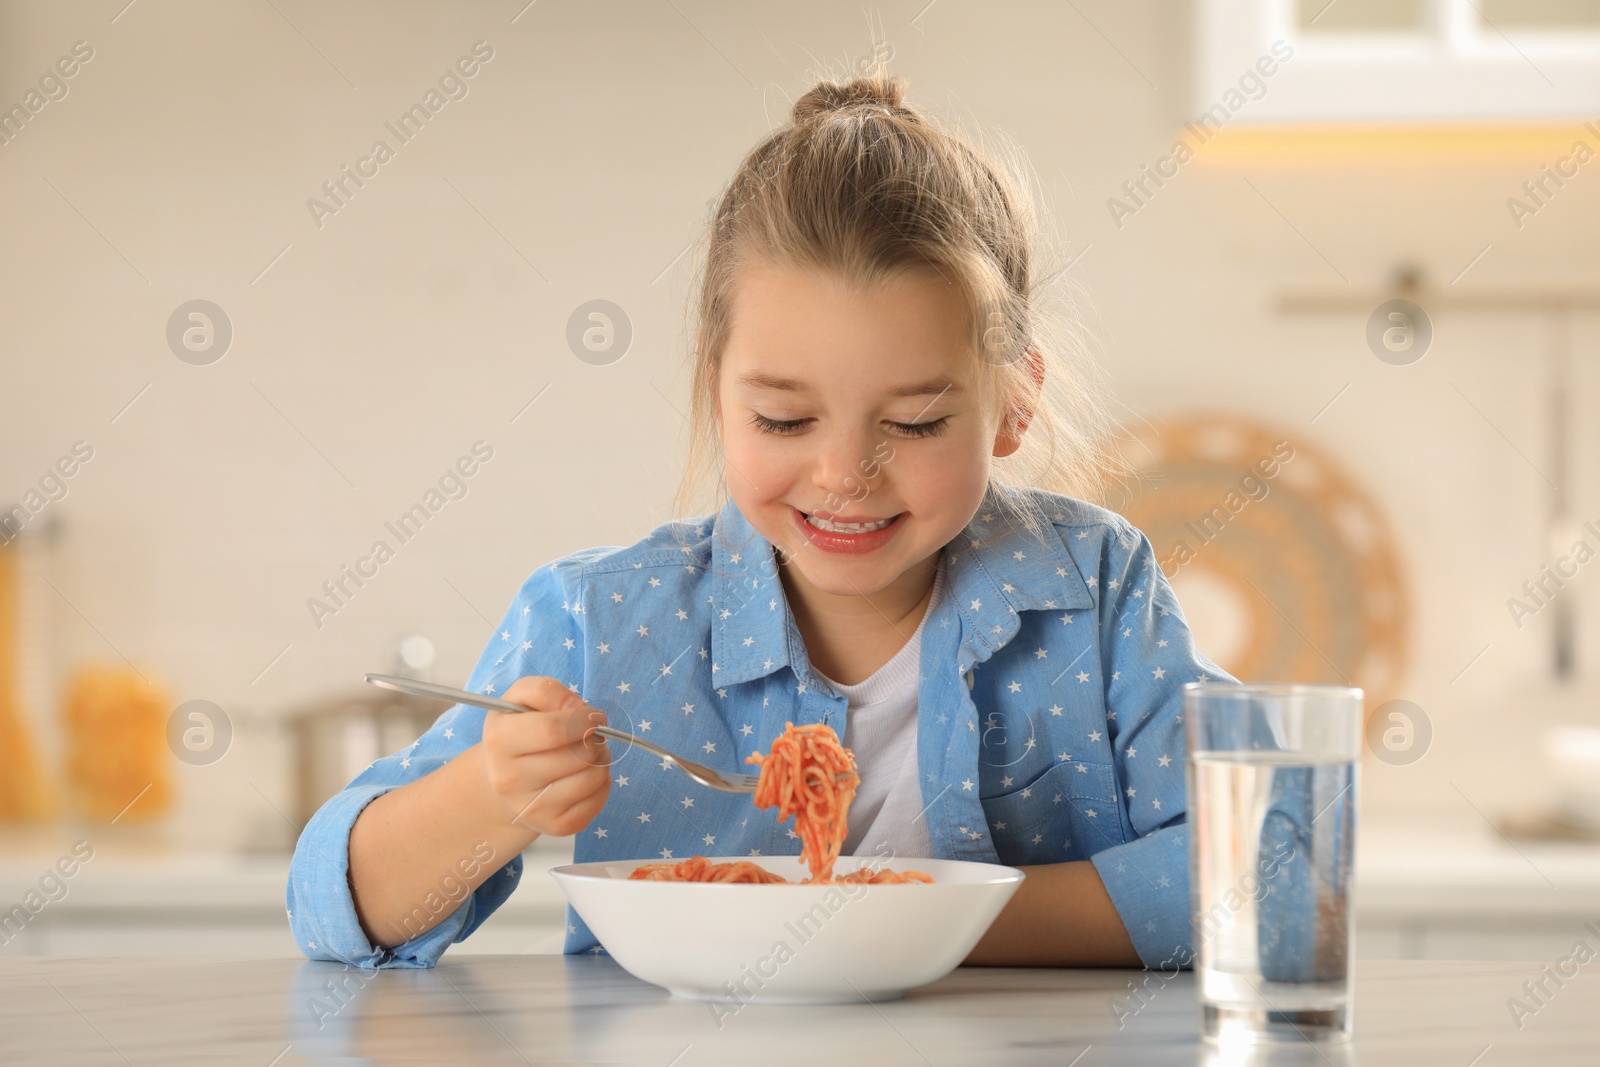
[[408, 327]]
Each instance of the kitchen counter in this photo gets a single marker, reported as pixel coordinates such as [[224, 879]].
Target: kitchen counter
[[146, 902], [1444, 886], [547, 1009]]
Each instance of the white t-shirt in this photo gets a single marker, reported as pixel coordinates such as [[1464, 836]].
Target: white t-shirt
[[881, 730]]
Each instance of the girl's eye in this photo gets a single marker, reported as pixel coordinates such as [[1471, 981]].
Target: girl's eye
[[790, 426], [761, 422], [921, 429]]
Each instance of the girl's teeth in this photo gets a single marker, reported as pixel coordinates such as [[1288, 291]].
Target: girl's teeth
[[847, 527]]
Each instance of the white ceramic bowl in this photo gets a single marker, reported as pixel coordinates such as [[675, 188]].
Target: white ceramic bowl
[[790, 944]]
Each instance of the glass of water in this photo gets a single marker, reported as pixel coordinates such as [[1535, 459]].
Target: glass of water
[[1272, 776]]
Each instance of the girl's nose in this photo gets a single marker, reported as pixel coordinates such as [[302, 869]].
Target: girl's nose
[[844, 468]]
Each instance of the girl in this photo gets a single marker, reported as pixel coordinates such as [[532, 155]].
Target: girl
[[1003, 658]]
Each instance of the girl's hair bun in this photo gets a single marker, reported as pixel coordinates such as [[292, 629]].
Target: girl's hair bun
[[877, 92]]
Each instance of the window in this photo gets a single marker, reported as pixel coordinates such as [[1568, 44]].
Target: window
[[1405, 60], [1360, 16]]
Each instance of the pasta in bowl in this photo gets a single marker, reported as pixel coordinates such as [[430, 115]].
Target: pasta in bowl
[[812, 928], [801, 942]]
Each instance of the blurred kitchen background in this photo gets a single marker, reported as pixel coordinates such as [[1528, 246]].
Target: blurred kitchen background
[[215, 393]]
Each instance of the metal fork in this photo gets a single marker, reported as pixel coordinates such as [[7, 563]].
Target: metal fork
[[727, 783]]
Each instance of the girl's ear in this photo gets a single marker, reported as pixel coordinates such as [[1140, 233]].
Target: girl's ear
[[1009, 437]]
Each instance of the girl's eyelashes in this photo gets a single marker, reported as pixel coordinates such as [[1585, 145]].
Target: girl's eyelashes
[[791, 426], [766, 425], [922, 429]]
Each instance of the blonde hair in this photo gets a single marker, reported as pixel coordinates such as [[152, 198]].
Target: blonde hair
[[868, 187]]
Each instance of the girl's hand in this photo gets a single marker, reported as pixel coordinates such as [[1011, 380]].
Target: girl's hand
[[547, 767]]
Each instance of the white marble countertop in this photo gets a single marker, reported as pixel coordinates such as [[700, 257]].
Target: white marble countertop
[[558, 1009]]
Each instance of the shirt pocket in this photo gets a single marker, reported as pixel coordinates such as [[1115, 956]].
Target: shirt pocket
[[1067, 813]]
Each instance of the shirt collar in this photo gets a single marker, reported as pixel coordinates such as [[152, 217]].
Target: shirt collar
[[995, 569]]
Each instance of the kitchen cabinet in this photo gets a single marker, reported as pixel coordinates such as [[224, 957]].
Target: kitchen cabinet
[[1451, 887]]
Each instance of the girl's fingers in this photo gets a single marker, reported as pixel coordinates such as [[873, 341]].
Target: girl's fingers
[[537, 693], [580, 814], [560, 806], [541, 767], [527, 733]]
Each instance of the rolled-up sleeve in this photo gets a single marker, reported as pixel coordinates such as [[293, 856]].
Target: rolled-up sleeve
[[1149, 654], [540, 634]]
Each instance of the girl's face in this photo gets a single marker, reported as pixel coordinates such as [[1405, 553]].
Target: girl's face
[[854, 406]]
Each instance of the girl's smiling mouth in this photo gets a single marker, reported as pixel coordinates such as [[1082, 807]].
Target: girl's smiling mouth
[[862, 535]]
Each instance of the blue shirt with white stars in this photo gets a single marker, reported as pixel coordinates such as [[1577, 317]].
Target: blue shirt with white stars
[[1049, 714]]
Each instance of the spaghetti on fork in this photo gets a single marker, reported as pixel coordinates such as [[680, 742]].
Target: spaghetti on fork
[[809, 775]]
